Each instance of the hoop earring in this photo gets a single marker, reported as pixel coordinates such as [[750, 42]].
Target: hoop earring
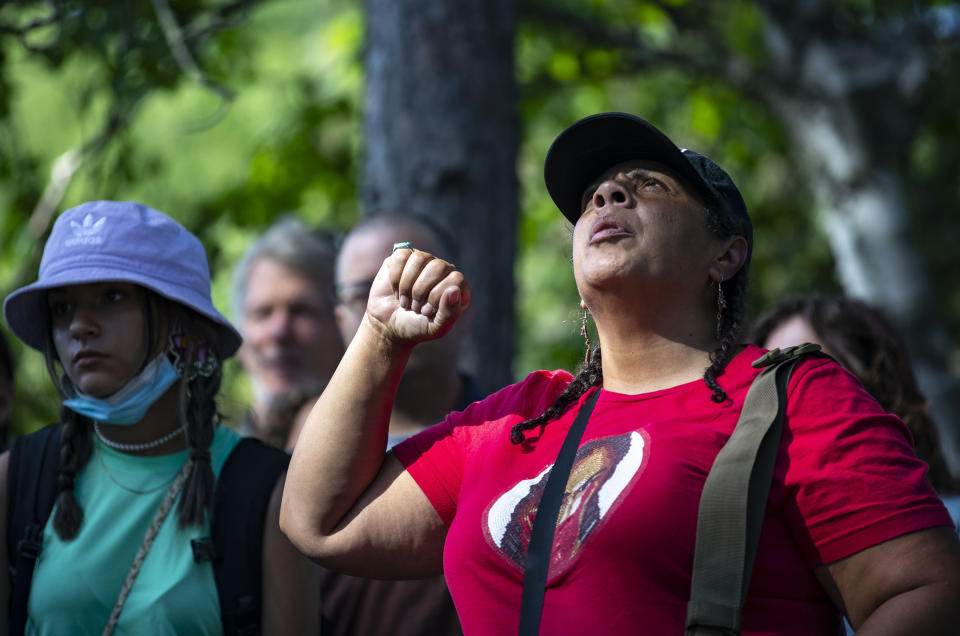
[[721, 305], [586, 338]]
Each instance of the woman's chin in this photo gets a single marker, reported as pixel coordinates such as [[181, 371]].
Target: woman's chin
[[604, 273], [100, 388]]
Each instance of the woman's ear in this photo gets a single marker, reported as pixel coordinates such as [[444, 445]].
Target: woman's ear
[[730, 259]]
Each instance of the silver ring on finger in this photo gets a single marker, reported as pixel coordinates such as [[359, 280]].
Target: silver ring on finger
[[401, 246]]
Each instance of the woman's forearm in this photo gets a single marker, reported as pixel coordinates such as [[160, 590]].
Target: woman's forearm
[[341, 497], [341, 447]]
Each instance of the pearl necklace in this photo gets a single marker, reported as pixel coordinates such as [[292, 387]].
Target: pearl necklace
[[136, 447]]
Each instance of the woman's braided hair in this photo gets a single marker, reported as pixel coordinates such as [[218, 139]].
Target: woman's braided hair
[[731, 319], [198, 410], [198, 414], [731, 322]]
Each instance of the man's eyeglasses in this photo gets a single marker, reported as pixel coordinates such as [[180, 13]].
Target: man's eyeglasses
[[354, 293]]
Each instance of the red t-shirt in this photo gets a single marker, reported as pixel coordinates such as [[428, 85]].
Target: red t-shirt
[[846, 479]]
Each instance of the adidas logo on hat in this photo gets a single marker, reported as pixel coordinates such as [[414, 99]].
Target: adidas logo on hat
[[86, 233]]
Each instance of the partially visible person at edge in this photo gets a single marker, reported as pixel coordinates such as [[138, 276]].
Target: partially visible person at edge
[[431, 386], [661, 244], [283, 306], [122, 311], [861, 338], [7, 388]]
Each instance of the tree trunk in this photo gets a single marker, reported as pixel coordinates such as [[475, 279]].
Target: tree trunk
[[441, 140], [850, 115]]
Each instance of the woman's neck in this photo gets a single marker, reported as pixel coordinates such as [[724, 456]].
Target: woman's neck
[[651, 350], [161, 418], [656, 365]]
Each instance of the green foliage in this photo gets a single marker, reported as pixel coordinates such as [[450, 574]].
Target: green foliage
[[671, 62], [743, 31], [269, 122], [278, 133]]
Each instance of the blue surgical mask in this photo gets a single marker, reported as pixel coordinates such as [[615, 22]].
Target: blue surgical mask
[[128, 405]]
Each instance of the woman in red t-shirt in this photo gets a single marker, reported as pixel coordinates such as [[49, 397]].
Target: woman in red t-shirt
[[661, 244]]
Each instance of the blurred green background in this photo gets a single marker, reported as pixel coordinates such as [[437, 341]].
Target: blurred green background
[[94, 105]]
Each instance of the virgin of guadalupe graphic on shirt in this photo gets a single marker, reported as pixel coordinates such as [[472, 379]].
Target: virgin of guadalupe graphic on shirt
[[604, 470]]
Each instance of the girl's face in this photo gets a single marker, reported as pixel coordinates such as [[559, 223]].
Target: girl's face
[[98, 333]]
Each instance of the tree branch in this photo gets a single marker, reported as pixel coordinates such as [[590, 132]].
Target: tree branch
[[723, 64], [64, 167], [174, 36], [226, 16]]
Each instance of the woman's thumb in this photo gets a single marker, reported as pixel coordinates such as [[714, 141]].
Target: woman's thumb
[[452, 304]]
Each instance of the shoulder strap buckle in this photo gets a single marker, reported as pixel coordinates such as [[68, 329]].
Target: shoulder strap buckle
[[775, 356], [203, 549], [31, 544]]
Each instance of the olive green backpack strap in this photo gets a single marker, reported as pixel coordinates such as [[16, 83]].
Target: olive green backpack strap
[[734, 499]]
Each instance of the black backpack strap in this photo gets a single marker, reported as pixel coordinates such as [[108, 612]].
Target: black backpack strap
[[537, 563], [242, 498], [734, 500], [31, 491]]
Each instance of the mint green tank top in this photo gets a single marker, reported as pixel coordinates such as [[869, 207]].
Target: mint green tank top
[[76, 583]]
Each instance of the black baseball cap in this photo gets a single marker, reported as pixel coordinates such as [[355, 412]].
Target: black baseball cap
[[591, 146]]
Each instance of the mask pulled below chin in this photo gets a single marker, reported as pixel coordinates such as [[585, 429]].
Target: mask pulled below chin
[[128, 405]]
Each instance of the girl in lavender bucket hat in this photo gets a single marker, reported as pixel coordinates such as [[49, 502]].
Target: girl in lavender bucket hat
[[122, 312]]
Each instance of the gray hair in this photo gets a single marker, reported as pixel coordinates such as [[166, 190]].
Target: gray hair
[[293, 244]]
